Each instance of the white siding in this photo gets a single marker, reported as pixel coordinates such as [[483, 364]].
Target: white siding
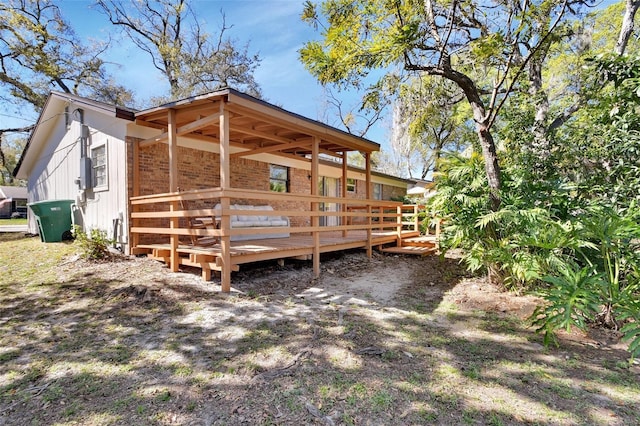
[[57, 169]]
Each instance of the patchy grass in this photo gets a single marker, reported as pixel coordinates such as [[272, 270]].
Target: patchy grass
[[128, 342], [20, 221]]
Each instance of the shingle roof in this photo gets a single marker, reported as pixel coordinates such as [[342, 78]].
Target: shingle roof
[[13, 192]]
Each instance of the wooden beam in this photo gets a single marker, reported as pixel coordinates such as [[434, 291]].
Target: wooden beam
[[173, 152], [173, 186], [367, 159], [211, 106], [307, 126], [198, 124], [182, 130], [257, 133], [206, 138], [315, 207], [271, 148], [135, 191], [146, 123], [343, 189], [225, 202]]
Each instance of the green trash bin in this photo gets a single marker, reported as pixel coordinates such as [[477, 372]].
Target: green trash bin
[[54, 219]]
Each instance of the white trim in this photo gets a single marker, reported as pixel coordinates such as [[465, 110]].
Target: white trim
[[105, 186]]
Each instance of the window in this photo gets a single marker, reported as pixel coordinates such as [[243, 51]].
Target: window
[[278, 178], [351, 185], [377, 191], [99, 165], [67, 117]]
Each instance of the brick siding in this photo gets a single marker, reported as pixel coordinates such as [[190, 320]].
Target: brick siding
[[201, 169]]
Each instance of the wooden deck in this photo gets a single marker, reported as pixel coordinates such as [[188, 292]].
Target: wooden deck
[[160, 219], [298, 246], [422, 245]]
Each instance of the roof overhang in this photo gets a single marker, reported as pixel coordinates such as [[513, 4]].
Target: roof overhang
[[255, 126], [53, 108]]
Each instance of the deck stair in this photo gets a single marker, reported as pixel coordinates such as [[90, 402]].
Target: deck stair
[[423, 245]]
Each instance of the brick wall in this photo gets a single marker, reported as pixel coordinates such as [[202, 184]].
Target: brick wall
[[389, 192], [200, 169]]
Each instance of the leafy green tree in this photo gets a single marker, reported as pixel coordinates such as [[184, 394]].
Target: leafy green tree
[[39, 52], [9, 155], [558, 88], [626, 29], [428, 120], [192, 60], [482, 48]]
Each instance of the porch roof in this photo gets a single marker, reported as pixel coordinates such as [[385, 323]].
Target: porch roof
[[255, 126]]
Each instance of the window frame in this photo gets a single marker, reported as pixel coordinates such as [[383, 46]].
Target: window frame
[[378, 195], [95, 167], [274, 179], [352, 182]]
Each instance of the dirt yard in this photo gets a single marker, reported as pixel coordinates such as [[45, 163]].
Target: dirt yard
[[383, 341]]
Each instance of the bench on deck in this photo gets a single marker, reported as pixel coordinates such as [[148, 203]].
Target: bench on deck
[[257, 220]]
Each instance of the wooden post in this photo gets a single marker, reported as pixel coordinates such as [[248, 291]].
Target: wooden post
[[315, 220], [173, 186], [343, 190], [399, 211], [134, 239], [367, 159], [225, 202]]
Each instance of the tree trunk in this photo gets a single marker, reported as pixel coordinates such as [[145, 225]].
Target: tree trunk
[[626, 29], [539, 150], [491, 166], [480, 116]]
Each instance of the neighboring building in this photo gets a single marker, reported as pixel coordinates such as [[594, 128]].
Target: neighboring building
[[13, 200], [101, 155]]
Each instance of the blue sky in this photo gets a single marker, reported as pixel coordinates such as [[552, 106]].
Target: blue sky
[[272, 28]]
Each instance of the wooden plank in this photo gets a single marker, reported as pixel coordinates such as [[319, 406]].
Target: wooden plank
[[181, 131], [268, 114], [178, 231], [422, 251], [315, 206], [197, 194], [138, 250], [271, 148], [269, 136], [135, 191], [178, 213], [225, 184]]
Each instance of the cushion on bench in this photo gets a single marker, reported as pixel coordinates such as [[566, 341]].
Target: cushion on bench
[[256, 221]]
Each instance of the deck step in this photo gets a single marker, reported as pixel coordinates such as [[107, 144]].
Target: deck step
[[422, 251], [424, 241]]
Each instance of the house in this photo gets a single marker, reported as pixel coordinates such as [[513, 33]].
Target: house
[[145, 176], [13, 200]]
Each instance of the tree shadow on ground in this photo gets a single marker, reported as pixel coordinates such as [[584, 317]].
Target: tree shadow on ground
[[131, 343]]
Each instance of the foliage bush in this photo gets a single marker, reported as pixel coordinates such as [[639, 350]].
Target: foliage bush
[[94, 246], [585, 265], [568, 223]]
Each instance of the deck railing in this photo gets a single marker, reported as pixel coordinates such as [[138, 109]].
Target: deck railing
[[163, 218], [160, 214]]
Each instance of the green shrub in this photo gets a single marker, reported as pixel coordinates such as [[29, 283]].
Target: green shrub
[[600, 282], [94, 246]]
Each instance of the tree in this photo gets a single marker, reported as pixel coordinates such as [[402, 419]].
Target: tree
[[626, 29], [11, 150], [192, 60], [428, 120], [40, 52], [561, 64], [483, 48]]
